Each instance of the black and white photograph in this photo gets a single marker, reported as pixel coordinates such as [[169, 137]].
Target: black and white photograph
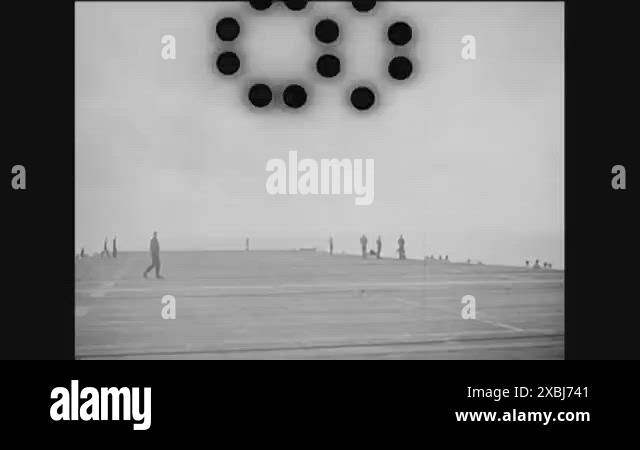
[[319, 180]]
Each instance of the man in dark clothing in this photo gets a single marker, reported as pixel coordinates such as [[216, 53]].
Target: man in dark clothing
[[105, 250], [401, 252], [331, 245], [114, 252], [363, 244], [154, 247], [379, 246]]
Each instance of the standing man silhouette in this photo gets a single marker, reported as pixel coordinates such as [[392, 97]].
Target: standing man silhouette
[[331, 245], [114, 252], [401, 252], [105, 250], [379, 246], [154, 247], [363, 244]]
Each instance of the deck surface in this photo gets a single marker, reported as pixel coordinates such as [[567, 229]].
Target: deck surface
[[288, 304]]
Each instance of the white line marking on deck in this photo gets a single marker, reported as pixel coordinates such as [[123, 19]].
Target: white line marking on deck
[[362, 284], [502, 325], [102, 290]]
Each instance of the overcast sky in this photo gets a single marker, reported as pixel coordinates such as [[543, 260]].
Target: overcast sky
[[468, 154]]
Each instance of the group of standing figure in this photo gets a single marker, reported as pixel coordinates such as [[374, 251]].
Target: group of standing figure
[[105, 249], [536, 265], [378, 251]]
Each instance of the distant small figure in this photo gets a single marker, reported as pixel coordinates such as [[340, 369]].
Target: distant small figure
[[468, 261], [114, 252], [439, 257], [105, 250], [526, 263], [331, 245], [446, 258], [549, 265], [154, 247], [544, 264], [82, 252], [537, 264], [246, 244], [401, 251], [363, 244], [379, 246]]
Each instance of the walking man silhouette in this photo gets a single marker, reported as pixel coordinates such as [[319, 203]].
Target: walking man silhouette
[[154, 247]]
